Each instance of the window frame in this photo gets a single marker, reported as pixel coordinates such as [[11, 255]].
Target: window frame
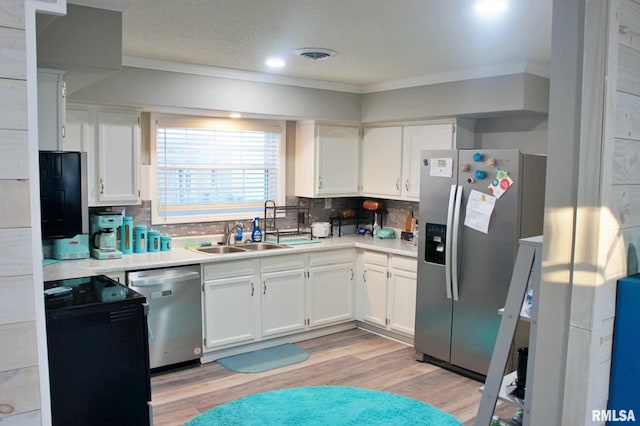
[[184, 120]]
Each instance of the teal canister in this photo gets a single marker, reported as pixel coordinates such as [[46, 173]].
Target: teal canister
[[126, 235], [165, 242], [140, 232], [154, 240]]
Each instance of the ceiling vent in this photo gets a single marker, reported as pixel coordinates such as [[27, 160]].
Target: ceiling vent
[[315, 53]]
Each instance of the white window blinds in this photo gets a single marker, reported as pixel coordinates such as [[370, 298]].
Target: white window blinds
[[214, 169]]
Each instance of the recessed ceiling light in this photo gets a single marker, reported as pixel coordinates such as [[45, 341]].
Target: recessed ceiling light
[[491, 8], [235, 115], [275, 62]]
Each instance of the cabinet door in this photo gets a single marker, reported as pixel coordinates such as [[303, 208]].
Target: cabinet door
[[330, 294], [338, 160], [402, 301], [374, 303], [283, 302], [382, 161], [415, 140], [231, 309], [80, 136], [118, 158], [51, 109]]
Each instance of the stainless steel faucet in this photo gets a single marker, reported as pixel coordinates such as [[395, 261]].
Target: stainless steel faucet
[[228, 232]]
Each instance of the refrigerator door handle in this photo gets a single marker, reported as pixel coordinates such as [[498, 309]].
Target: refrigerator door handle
[[454, 248], [447, 252]]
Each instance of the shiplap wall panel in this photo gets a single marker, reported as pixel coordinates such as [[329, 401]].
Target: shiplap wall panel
[[625, 206], [626, 162], [30, 418], [629, 31], [627, 122], [22, 335], [12, 53], [19, 390], [19, 371], [15, 210], [12, 14], [15, 252], [13, 114], [14, 161], [628, 66], [16, 299]]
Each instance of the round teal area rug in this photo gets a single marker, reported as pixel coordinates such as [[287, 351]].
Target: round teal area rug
[[325, 405]]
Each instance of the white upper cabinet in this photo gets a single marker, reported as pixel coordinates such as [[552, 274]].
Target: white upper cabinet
[[118, 157], [382, 161], [111, 139], [51, 109], [327, 160], [391, 155], [415, 139]]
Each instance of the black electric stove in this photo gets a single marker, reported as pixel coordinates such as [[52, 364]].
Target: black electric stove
[[87, 292], [98, 347]]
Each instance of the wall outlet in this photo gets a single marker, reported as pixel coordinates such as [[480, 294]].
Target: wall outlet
[[327, 203]]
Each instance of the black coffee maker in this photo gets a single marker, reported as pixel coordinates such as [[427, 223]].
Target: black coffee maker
[[521, 373]]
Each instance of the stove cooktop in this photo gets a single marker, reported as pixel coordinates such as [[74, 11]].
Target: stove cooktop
[[87, 291]]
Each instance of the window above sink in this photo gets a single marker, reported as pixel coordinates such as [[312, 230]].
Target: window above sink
[[209, 169]]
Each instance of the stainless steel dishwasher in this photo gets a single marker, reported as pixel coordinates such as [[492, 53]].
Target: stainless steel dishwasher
[[174, 296]]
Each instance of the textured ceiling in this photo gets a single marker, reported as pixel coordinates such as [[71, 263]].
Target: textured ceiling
[[378, 41]]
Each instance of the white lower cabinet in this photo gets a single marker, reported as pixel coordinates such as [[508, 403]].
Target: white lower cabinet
[[387, 292], [283, 302], [247, 301], [330, 288], [231, 303], [374, 293], [403, 278]]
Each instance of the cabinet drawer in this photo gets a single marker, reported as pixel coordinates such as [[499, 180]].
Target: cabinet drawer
[[404, 263], [332, 257], [283, 263], [375, 258], [236, 268]]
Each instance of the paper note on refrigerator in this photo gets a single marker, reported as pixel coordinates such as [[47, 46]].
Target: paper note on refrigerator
[[479, 209], [442, 167]]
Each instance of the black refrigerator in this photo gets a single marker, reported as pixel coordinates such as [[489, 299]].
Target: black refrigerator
[[98, 353]]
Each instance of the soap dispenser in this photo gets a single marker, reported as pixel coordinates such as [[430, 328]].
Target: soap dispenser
[[256, 233]]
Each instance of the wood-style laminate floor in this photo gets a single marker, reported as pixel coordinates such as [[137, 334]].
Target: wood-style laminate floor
[[351, 358]]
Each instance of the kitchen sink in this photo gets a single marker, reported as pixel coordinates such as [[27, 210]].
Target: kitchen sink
[[219, 249], [261, 246]]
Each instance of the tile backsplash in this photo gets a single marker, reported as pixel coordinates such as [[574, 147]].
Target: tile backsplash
[[319, 211]]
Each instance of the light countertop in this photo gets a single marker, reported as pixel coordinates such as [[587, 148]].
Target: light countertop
[[183, 256]]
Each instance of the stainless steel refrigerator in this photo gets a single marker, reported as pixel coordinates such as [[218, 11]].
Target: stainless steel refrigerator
[[468, 242]]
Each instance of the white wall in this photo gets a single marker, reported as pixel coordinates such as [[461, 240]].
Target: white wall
[[491, 96], [528, 134], [592, 209]]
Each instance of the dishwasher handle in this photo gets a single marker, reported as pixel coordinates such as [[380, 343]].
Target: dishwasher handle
[[151, 280]]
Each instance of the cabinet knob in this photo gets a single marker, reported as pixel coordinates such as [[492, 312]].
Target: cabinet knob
[[398, 184], [252, 289], [320, 182], [406, 185]]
